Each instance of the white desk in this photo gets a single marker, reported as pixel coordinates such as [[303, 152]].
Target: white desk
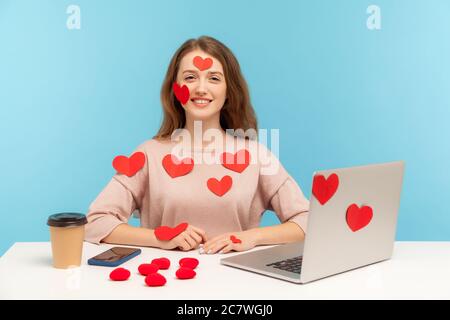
[[417, 270]]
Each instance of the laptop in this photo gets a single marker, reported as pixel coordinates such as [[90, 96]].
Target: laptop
[[352, 223]]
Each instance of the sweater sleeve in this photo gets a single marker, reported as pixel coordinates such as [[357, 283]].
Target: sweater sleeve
[[290, 204], [115, 203], [281, 193]]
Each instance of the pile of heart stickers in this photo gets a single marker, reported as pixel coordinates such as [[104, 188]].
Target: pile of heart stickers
[[325, 188], [151, 271]]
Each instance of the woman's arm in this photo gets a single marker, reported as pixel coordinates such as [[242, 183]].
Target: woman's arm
[[137, 236], [286, 232], [283, 233], [133, 236]]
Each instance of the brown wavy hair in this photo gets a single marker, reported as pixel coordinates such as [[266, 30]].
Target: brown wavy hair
[[236, 113]]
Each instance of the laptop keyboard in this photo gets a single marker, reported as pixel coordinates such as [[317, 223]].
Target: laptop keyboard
[[292, 265]]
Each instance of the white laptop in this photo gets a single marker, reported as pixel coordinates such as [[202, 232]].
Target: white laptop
[[352, 223]]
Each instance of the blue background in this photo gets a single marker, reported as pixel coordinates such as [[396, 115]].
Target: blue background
[[341, 95]]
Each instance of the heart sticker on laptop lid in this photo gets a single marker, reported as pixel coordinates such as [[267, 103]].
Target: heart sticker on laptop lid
[[358, 218], [324, 189]]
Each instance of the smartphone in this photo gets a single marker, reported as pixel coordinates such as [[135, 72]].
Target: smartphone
[[114, 257]]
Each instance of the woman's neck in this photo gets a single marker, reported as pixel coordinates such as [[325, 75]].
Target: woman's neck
[[197, 128]]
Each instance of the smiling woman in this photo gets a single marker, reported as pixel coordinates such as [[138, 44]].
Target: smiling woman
[[219, 203], [211, 72]]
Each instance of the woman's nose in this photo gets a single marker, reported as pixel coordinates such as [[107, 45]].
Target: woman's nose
[[201, 88]]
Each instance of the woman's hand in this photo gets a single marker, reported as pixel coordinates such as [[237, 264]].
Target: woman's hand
[[189, 239], [224, 244]]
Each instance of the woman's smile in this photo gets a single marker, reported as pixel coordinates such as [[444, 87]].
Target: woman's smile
[[201, 102]]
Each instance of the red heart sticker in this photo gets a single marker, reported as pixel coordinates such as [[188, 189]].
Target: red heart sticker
[[190, 263], [323, 189], [202, 64], [185, 273], [235, 240], [176, 168], [119, 274], [147, 268], [155, 280], [129, 166], [237, 162], [358, 218], [163, 263], [220, 187], [166, 233], [181, 93]]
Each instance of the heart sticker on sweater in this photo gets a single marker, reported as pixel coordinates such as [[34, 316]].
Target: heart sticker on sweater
[[202, 64], [358, 218], [220, 187], [181, 93], [129, 166], [323, 189], [237, 162], [166, 233], [176, 168]]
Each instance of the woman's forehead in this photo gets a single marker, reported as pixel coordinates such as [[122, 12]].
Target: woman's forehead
[[187, 62]]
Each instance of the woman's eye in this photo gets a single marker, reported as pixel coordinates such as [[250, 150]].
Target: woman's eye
[[215, 79], [189, 78]]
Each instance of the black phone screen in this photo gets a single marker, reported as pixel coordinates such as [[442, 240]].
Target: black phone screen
[[115, 254]]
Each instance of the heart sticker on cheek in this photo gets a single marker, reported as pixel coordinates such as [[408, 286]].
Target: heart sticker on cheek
[[181, 93], [202, 64]]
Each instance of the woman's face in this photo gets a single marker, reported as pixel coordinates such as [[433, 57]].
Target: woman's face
[[206, 84]]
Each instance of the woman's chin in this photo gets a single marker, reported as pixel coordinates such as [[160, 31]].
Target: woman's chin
[[201, 114]]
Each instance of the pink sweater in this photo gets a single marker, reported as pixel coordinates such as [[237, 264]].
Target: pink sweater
[[236, 204]]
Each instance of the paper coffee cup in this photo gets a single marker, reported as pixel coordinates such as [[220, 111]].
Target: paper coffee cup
[[67, 236]]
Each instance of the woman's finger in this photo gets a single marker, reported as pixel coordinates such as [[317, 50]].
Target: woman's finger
[[212, 242], [189, 239], [196, 236], [200, 232], [183, 244], [228, 248], [219, 246]]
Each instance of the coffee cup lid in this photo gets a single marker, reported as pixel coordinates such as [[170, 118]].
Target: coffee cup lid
[[67, 219]]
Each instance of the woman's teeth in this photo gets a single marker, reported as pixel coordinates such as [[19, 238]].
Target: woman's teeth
[[201, 102]]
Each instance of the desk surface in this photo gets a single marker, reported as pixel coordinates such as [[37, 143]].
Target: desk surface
[[417, 270]]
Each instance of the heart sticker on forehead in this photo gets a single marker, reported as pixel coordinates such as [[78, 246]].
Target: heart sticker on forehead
[[202, 64]]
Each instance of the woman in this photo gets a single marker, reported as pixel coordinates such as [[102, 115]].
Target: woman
[[222, 199]]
